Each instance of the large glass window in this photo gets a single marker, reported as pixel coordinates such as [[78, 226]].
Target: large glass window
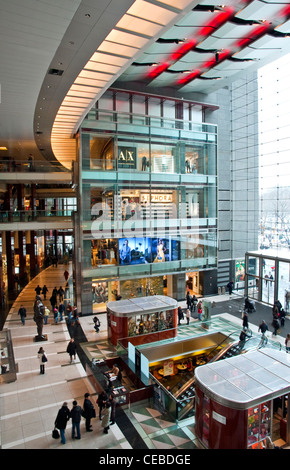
[[164, 157]]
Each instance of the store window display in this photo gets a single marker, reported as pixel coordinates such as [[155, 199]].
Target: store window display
[[100, 292], [104, 252], [142, 324]]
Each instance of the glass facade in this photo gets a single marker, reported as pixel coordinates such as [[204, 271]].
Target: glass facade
[[268, 277], [148, 190], [274, 137]]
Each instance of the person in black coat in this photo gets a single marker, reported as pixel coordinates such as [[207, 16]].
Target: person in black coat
[[62, 418], [101, 402], [72, 349], [22, 313], [76, 415], [89, 412], [245, 321], [44, 291], [275, 324], [180, 314]]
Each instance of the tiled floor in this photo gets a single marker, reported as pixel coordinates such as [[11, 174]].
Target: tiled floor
[[28, 406]]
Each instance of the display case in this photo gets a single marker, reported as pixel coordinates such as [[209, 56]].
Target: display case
[[259, 423], [8, 367]]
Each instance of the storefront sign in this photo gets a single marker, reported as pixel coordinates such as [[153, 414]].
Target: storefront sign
[[127, 157], [156, 198]]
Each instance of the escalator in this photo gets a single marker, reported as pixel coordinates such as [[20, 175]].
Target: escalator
[[186, 399]]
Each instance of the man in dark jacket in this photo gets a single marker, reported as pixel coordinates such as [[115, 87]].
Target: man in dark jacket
[[89, 412], [76, 415], [62, 418], [22, 313]]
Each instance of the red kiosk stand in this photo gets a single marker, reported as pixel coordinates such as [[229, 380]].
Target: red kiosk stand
[[234, 398], [142, 316]]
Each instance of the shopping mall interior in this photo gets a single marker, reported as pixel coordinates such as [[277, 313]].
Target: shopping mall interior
[[136, 184]]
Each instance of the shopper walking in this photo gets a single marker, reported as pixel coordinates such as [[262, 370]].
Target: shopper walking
[[188, 299], [72, 349], [42, 359], [61, 420], [276, 325], [113, 403], [89, 412], [180, 315], [53, 301], [199, 310], [60, 293], [22, 313], [61, 309], [76, 415], [66, 275], [44, 291], [193, 303], [263, 327], [55, 315], [230, 287], [46, 314], [38, 290], [106, 417], [245, 320], [101, 401]]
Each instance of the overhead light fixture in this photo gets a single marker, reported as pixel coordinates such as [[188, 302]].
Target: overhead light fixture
[[3, 148]]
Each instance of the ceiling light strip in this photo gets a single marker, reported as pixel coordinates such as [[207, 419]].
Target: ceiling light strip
[[205, 31], [257, 33]]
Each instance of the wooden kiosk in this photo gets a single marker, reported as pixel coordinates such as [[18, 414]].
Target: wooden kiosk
[[142, 316]]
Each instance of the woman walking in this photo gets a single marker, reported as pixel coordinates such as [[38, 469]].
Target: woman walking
[[106, 417]]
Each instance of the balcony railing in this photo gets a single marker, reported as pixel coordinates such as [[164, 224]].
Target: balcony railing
[[11, 165], [33, 215]]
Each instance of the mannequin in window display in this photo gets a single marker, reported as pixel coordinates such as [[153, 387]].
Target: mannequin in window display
[[144, 163], [100, 291], [160, 257]]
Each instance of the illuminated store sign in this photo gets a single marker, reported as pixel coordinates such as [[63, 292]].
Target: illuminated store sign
[[156, 197], [127, 157]]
